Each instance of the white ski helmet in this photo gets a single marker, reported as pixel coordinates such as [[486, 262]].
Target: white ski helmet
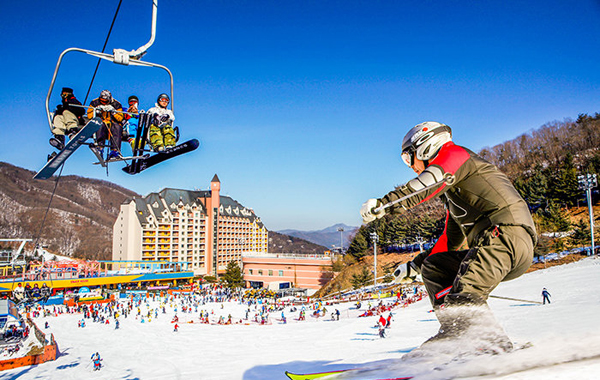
[[106, 95], [424, 141]]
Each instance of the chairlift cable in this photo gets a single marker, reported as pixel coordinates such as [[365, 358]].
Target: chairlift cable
[[39, 234], [63, 165], [103, 48], [85, 101]]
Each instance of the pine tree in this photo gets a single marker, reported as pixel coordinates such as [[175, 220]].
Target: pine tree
[[233, 277], [543, 246], [553, 219], [534, 189], [581, 234], [363, 278], [565, 189], [359, 244]]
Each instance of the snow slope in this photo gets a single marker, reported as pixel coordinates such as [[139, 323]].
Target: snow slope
[[566, 329]]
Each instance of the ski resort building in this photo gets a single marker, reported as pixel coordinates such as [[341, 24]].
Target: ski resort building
[[202, 228], [287, 270]]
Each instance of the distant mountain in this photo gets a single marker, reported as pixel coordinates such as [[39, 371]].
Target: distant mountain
[[281, 243], [81, 216], [326, 237]]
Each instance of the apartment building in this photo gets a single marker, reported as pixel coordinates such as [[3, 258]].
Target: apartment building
[[203, 228]]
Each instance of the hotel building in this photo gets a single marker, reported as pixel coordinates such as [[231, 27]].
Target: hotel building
[[203, 228]]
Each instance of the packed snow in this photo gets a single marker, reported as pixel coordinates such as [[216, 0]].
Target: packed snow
[[560, 332]]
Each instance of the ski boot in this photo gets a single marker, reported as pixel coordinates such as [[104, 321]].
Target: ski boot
[[72, 132], [465, 330], [58, 141], [114, 155]]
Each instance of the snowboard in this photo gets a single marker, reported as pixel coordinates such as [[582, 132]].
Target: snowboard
[[515, 362], [142, 164], [331, 375], [85, 133]]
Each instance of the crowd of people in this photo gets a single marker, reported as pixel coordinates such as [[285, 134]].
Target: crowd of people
[[117, 123], [207, 306], [212, 305]]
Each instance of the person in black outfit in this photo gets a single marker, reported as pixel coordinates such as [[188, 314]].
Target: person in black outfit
[[68, 117]]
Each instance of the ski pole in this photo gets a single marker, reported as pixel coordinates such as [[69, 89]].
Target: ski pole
[[448, 180], [514, 299]]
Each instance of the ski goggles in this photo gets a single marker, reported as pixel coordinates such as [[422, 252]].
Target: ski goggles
[[408, 157]]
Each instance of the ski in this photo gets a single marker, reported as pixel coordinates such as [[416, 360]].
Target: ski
[[140, 141], [140, 165], [85, 133]]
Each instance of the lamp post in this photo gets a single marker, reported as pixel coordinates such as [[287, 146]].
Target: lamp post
[[588, 182], [341, 229], [374, 239], [420, 241]]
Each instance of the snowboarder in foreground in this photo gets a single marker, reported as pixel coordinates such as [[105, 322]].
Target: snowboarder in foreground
[[485, 211], [545, 296]]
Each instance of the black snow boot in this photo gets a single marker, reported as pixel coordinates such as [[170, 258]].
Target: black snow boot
[[58, 141]]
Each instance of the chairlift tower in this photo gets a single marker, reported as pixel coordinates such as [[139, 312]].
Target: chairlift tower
[[588, 182]]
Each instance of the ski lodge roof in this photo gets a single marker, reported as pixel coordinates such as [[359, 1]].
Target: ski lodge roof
[[163, 203]]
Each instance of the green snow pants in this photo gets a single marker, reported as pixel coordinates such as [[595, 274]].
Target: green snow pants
[[467, 277], [163, 136]]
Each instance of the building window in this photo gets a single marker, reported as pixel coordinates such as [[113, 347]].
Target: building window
[[260, 272], [270, 272], [249, 271], [280, 273]]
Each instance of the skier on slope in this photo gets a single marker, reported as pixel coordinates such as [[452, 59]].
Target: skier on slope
[[545, 296], [484, 209], [381, 324], [97, 361]]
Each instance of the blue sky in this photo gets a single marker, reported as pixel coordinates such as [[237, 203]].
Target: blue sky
[[301, 106]]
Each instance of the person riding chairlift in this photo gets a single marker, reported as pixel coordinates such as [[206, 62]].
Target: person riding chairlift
[[161, 134], [110, 111]]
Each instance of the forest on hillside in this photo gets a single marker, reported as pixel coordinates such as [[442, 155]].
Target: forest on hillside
[[542, 164], [78, 222]]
